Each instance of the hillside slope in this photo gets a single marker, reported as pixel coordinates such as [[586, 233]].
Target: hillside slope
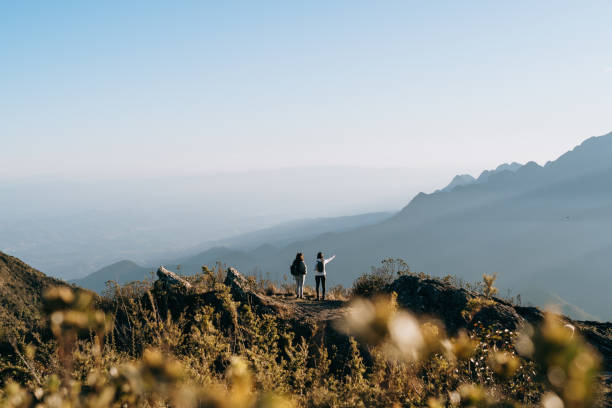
[[21, 288]]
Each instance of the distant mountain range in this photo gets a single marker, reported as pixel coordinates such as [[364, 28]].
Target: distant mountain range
[[243, 251], [547, 231]]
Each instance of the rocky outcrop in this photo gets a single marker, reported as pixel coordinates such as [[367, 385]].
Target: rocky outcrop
[[531, 314], [317, 321], [242, 291], [500, 314], [446, 302], [170, 278], [599, 335]]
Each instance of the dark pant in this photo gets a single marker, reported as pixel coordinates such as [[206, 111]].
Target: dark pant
[[320, 280]]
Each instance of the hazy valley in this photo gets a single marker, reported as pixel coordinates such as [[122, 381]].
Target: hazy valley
[[70, 229]]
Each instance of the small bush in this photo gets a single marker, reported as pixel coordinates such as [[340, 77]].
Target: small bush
[[337, 292], [487, 285], [370, 284], [271, 289], [474, 305]]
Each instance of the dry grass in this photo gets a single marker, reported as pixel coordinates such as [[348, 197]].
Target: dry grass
[[224, 354]]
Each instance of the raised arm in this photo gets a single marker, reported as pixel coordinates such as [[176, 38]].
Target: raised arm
[[329, 259]]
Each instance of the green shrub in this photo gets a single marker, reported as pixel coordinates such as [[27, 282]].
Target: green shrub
[[370, 284]]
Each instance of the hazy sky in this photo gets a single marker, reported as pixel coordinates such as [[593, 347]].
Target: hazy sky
[[113, 88]]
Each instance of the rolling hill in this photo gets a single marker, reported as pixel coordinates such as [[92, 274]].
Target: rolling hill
[[121, 272]]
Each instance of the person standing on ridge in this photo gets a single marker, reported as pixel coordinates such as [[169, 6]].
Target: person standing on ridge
[[320, 273], [298, 271]]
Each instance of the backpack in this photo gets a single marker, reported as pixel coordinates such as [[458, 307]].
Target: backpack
[[298, 268], [320, 266], [294, 269]]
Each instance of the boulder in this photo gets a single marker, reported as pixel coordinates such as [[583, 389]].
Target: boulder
[[499, 315], [447, 302], [531, 314], [431, 297], [170, 278], [241, 291]]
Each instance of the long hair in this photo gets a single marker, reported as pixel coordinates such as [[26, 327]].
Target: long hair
[[320, 255], [299, 256]]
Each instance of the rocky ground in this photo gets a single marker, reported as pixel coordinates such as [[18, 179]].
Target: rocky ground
[[317, 320]]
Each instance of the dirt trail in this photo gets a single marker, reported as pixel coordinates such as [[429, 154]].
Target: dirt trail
[[311, 309], [321, 310]]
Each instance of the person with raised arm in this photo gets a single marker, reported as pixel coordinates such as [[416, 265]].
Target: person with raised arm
[[320, 273]]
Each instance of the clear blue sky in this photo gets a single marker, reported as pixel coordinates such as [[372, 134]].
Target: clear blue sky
[[109, 88]]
